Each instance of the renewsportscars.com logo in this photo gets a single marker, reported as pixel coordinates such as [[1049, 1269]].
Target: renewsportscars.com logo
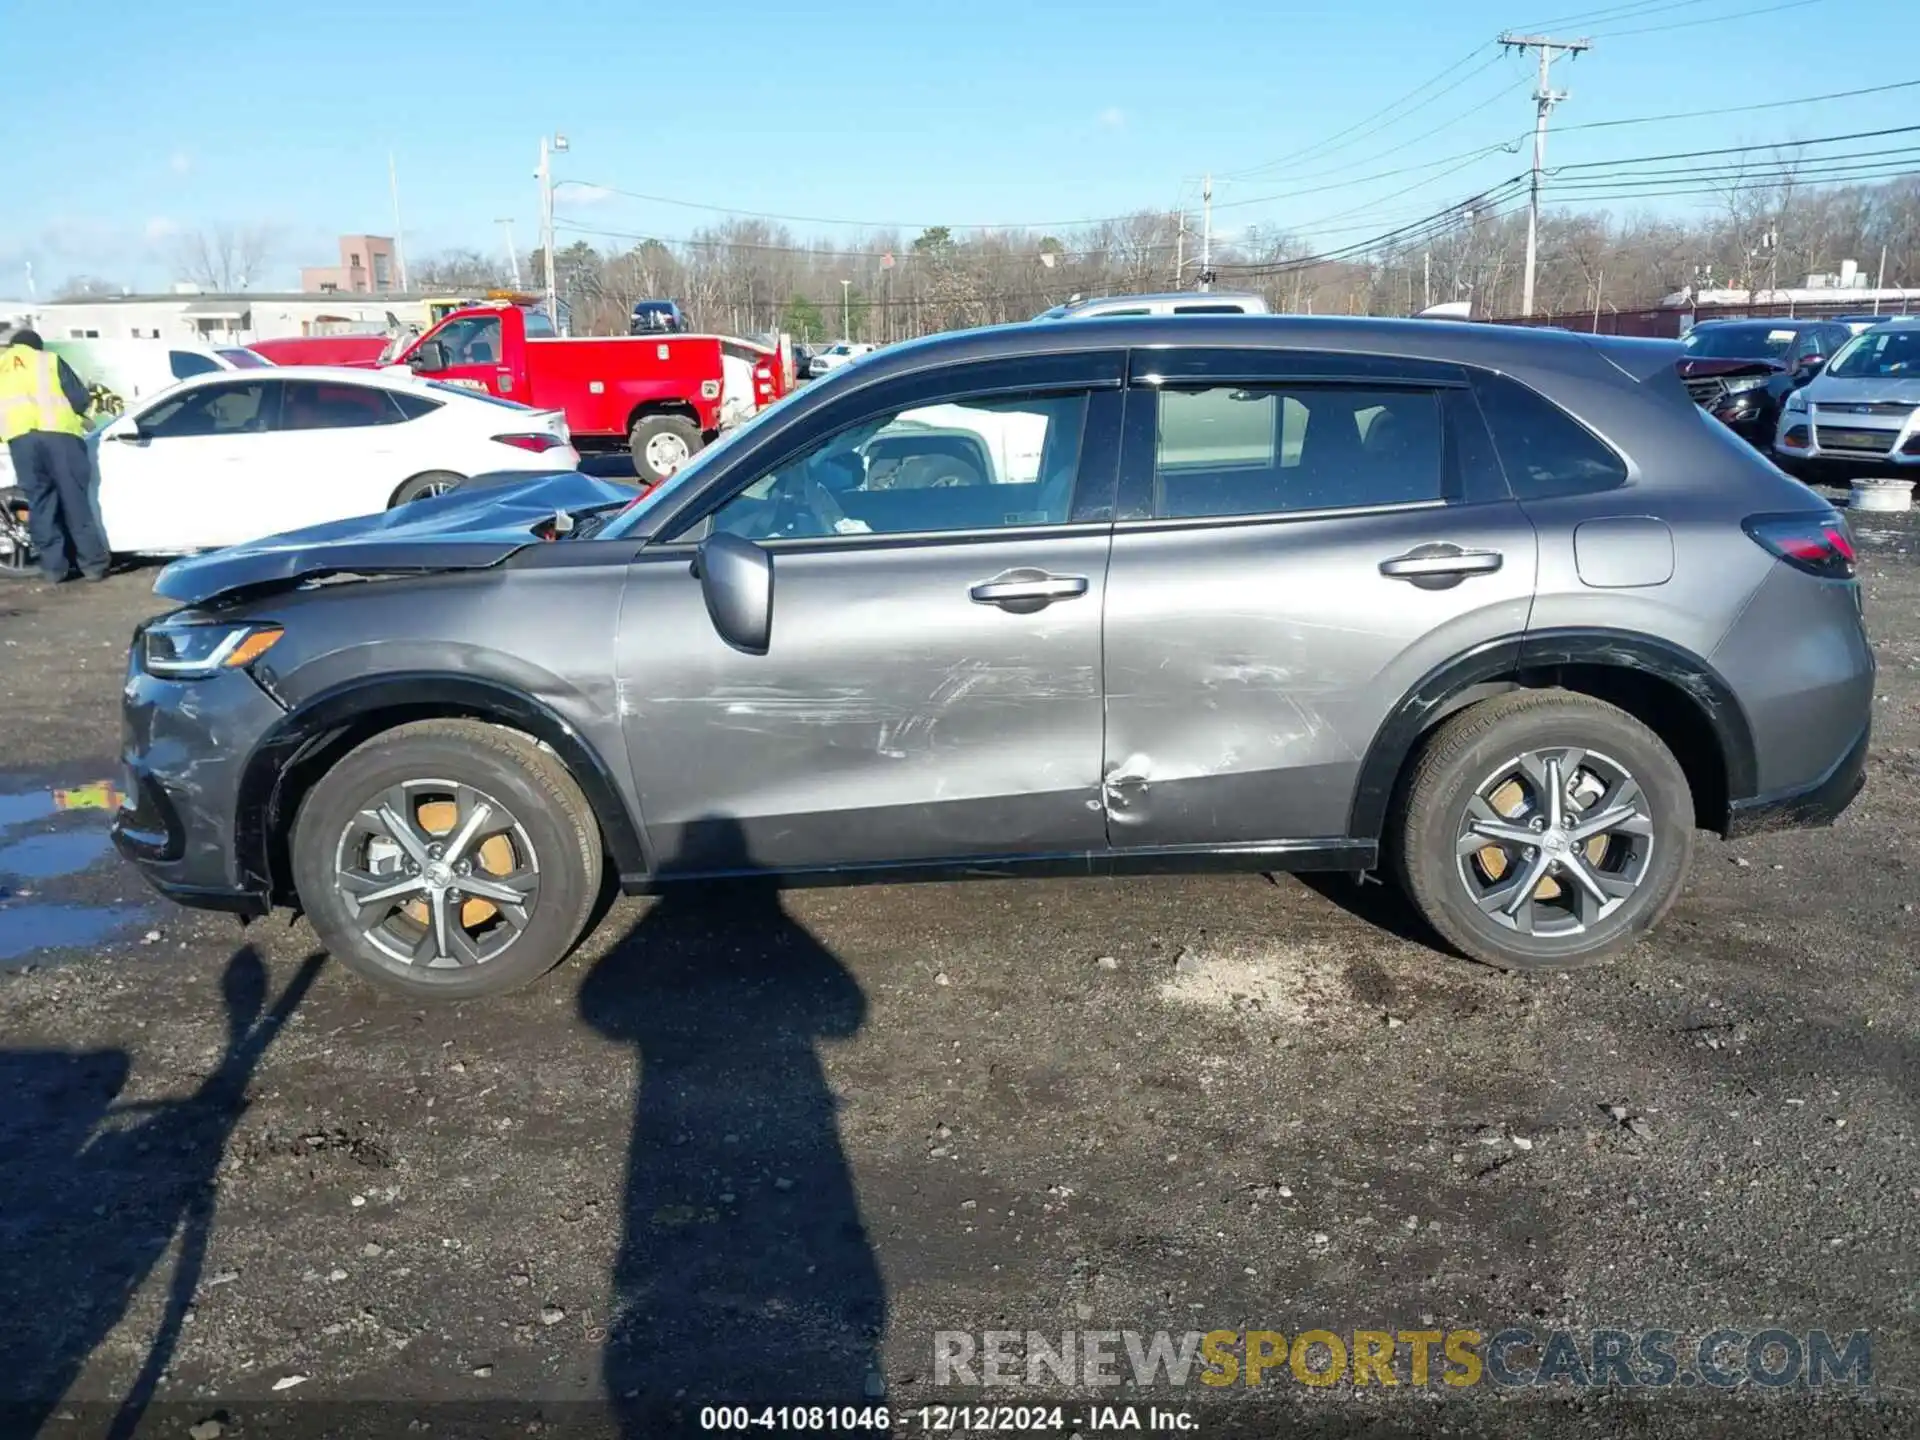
[[1724, 1358]]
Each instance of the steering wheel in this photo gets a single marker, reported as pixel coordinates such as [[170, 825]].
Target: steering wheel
[[807, 509]]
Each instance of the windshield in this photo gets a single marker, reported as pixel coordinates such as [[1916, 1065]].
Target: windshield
[[1740, 342], [686, 476], [1890, 354]]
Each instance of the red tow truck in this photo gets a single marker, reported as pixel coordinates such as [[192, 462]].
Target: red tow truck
[[663, 397]]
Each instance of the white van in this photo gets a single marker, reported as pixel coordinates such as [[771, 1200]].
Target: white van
[[1174, 302], [120, 372]]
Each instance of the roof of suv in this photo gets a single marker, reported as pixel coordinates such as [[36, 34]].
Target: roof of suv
[[1495, 347]]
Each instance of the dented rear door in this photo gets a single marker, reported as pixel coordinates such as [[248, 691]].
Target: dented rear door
[[1286, 565]]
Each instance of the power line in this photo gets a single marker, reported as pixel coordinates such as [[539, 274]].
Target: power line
[[1740, 15], [1739, 109], [1617, 12], [1323, 147]]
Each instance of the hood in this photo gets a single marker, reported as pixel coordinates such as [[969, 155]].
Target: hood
[[1865, 389], [1691, 369], [477, 525]]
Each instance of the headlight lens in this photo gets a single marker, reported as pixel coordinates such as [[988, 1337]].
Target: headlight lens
[[1797, 401], [1743, 383], [186, 651]]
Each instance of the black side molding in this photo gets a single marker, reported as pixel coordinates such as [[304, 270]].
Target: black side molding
[[262, 804], [1541, 652], [1276, 856]]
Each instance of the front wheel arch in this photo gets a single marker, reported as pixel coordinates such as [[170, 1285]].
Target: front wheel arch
[[323, 730]]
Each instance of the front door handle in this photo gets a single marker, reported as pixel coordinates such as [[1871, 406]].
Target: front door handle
[[1433, 567], [1027, 590]]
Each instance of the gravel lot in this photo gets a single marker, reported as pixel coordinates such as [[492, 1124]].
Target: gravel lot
[[748, 1147]]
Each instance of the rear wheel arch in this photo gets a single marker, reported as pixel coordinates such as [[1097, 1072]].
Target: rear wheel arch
[[312, 738], [1675, 693]]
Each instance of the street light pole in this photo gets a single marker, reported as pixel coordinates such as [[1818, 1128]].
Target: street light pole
[[846, 310], [549, 148]]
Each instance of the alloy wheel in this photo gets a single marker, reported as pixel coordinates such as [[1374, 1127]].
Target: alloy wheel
[[1554, 842], [437, 874]]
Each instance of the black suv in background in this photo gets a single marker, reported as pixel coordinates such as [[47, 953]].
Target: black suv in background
[[1741, 371]]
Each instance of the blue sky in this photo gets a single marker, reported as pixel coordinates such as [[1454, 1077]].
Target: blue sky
[[176, 117]]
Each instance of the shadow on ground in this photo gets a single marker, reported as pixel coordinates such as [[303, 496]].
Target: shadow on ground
[[94, 1193], [745, 1271]]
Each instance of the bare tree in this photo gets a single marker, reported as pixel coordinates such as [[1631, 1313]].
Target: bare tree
[[225, 258], [88, 287]]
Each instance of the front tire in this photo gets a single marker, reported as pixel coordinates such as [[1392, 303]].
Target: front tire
[[447, 860], [661, 444], [1544, 830]]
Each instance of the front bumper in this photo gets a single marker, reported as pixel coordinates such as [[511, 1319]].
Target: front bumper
[[1808, 806], [184, 747], [1841, 442]]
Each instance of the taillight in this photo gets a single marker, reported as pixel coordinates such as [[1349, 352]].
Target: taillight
[[1818, 543], [539, 441]]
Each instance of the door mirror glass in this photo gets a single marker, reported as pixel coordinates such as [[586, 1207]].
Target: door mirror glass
[[736, 578], [430, 358]]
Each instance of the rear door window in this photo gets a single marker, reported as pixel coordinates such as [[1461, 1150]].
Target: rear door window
[[1270, 449], [1544, 450], [325, 405]]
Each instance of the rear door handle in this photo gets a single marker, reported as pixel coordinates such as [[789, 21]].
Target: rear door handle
[[1444, 564], [1028, 590]]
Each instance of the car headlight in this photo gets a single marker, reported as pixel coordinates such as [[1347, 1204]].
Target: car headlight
[[1743, 383], [188, 650], [1797, 401]]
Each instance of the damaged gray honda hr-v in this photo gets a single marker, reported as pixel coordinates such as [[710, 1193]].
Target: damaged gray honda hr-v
[[1493, 611]]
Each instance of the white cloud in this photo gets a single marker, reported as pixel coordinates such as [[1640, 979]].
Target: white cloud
[[161, 228], [577, 194], [180, 162], [1112, 118]]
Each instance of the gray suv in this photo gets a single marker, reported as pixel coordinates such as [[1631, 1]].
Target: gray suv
[[1497, 611]]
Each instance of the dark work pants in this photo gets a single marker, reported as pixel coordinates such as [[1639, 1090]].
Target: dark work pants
[[57, 475]]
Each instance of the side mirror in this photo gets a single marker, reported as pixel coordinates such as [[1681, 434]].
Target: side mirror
[[736, 577], [430, 358], [1811, 365]]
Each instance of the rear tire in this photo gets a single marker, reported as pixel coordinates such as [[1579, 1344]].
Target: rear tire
[[376, 832], [434, 482], [1477, 797], [661, 444]]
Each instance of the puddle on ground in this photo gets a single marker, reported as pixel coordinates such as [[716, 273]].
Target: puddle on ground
[[46, 854], [28, 928], [32, 850], [60, 852]]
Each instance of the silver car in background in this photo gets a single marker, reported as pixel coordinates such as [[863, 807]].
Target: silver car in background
[[1860, 417]]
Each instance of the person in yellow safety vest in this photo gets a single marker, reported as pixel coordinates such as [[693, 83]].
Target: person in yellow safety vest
[[42, 403]]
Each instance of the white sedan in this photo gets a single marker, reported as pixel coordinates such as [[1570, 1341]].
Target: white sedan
[[232, 456]]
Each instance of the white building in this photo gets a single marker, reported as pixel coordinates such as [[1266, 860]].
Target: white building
[[219, 319]]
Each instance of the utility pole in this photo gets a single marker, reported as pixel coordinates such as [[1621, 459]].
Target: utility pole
[[399, 235], [1545, 97], [1206, 233], [1426, 280], [1179, 249], [846, 310], [513, 255], [549, 148]]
